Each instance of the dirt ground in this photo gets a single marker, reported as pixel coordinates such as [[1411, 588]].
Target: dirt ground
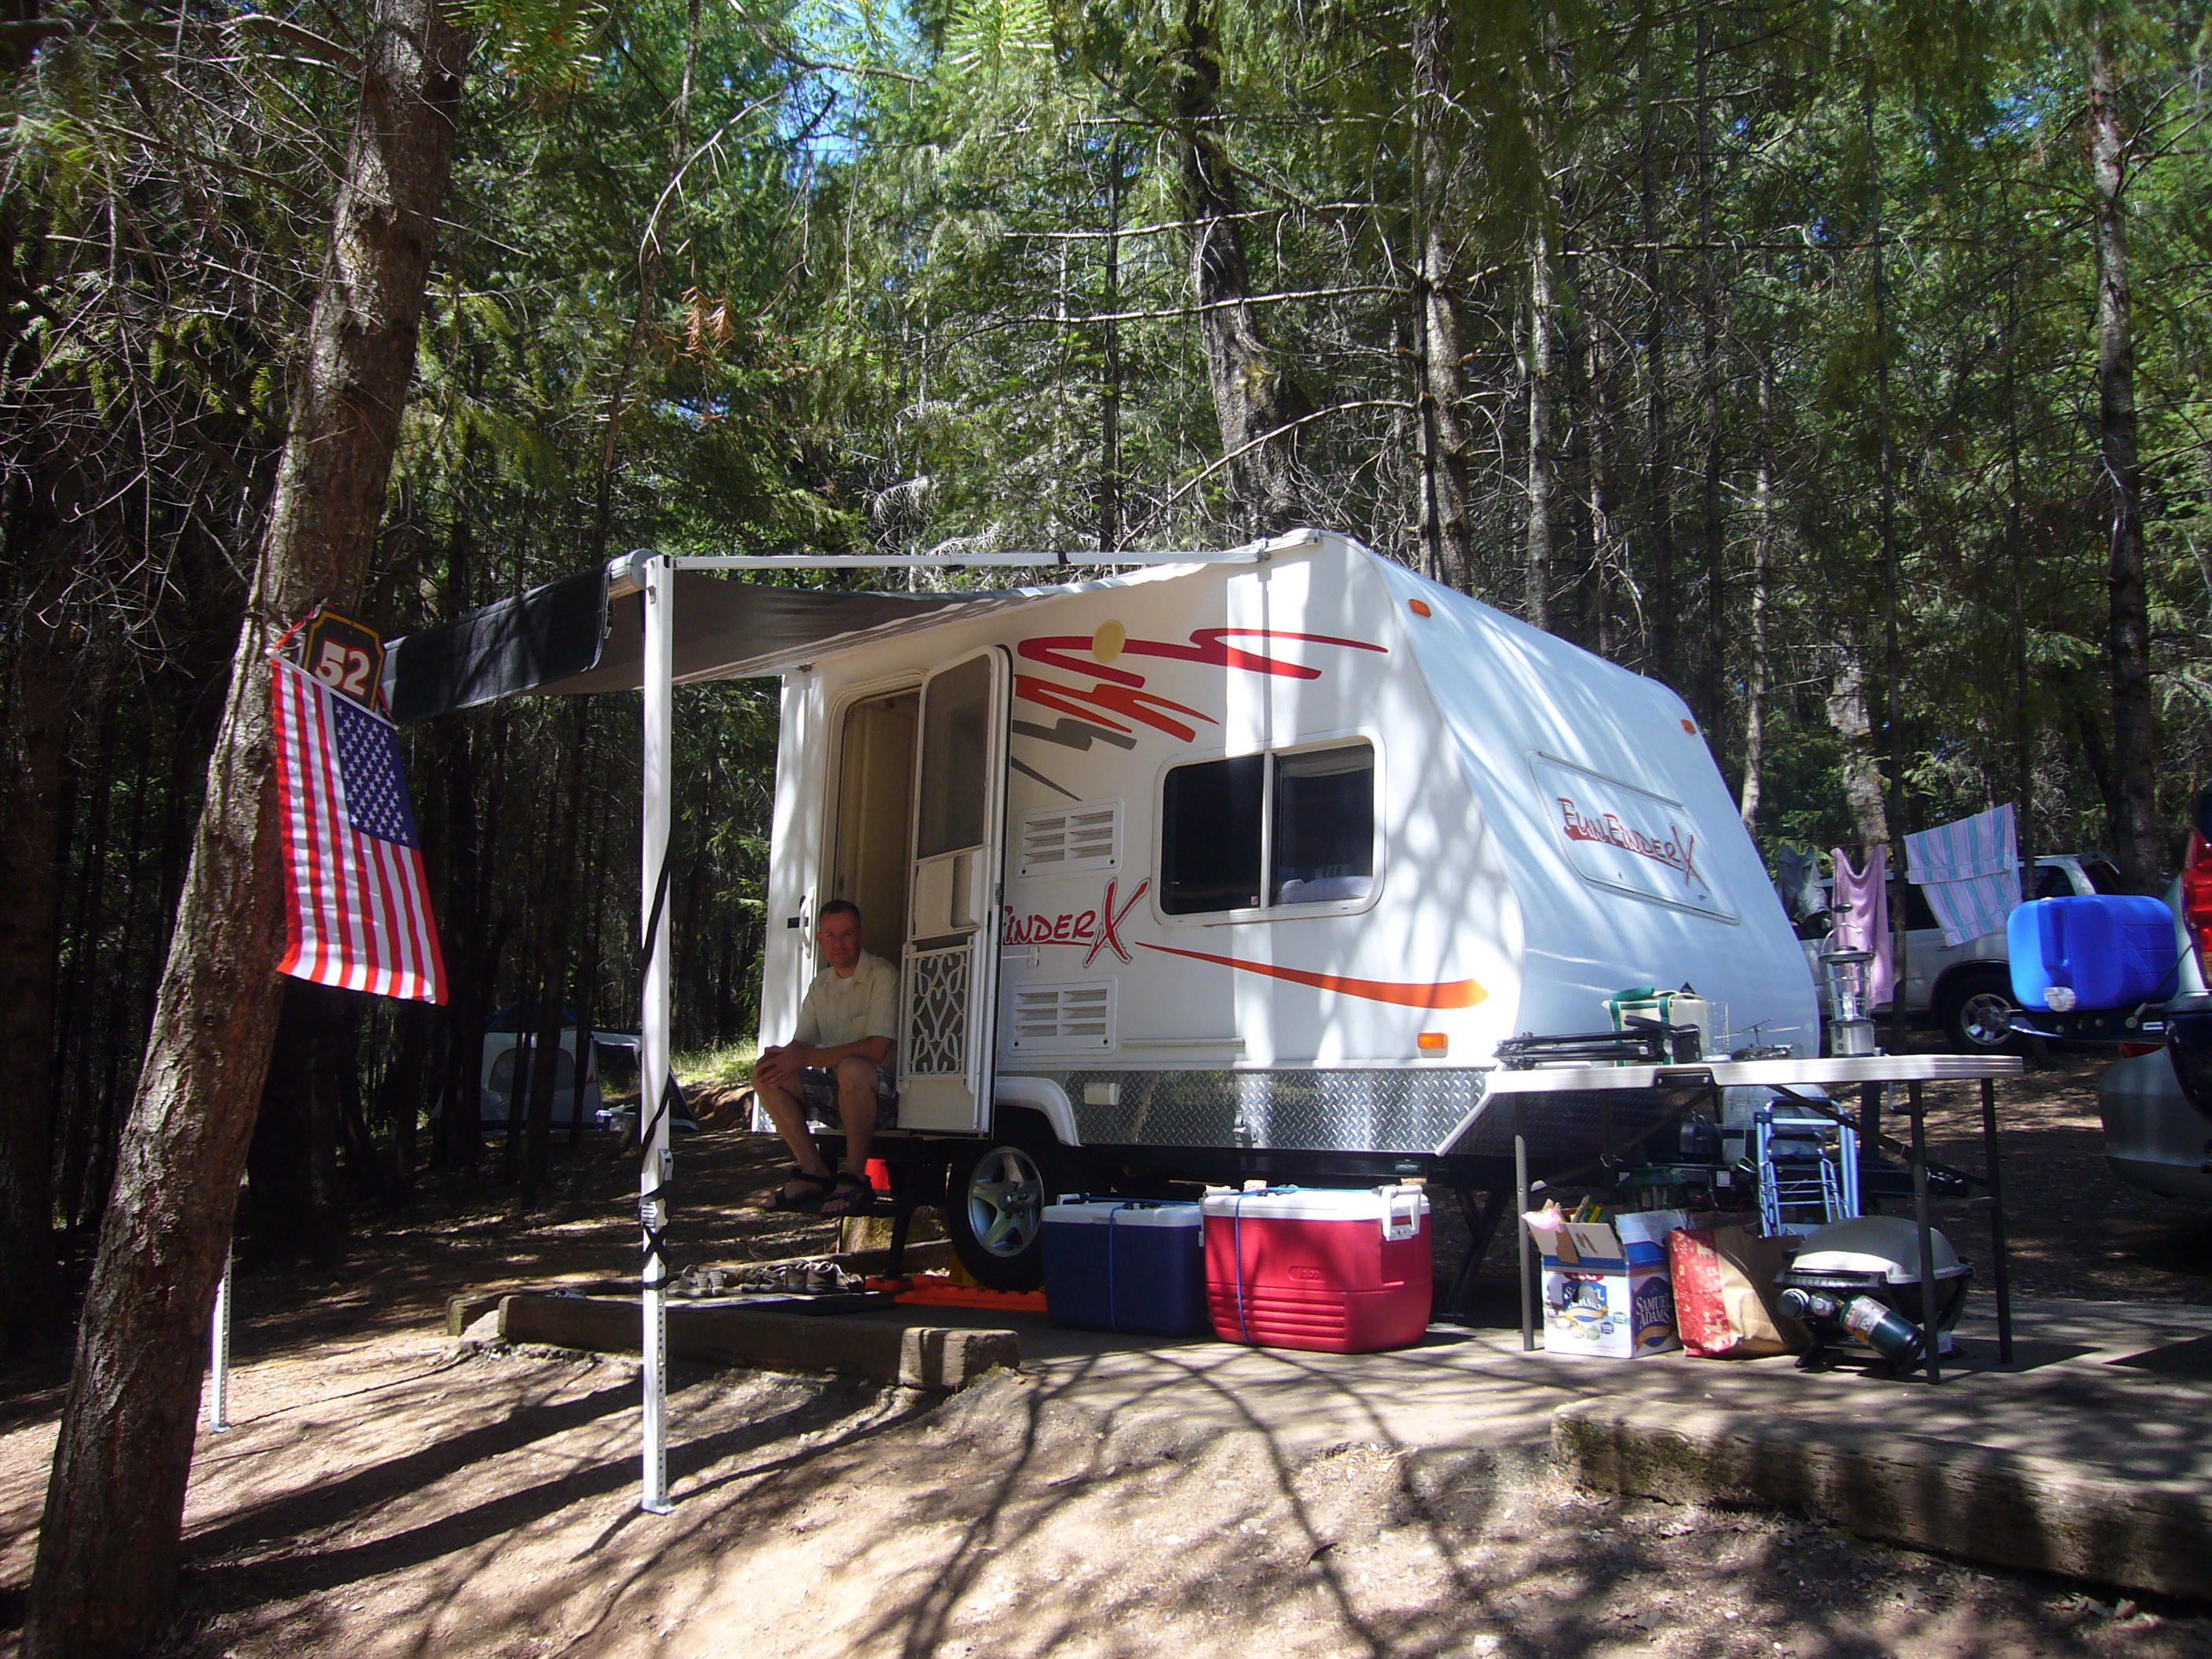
[[387, 1491]]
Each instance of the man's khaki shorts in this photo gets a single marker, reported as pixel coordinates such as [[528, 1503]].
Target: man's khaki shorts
[[819, 1086]]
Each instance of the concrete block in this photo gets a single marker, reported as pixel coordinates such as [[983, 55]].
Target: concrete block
[[463, 1312], [881, 1351], [1980, 1502]]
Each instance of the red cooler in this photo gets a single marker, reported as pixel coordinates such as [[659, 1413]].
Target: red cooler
[[1306, 1267]]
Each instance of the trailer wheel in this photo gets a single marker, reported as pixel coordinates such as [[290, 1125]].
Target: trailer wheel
[[995, 1199], [1976, 1010]]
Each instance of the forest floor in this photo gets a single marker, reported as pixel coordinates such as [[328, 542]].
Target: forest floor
[[388, 1492]]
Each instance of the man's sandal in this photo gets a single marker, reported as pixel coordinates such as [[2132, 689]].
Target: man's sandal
[[854, 1195], [813, 1189]]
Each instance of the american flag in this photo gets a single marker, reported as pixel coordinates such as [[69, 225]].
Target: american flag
[[356, 901]]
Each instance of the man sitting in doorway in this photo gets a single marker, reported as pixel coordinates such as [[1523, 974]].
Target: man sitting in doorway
[[837, 1068]]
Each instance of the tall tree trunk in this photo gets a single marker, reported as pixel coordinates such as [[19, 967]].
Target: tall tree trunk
[[108, 1544], [1109, 386], [588, 972], [1712, 678], [2135, 728], [1537, 576], [1609, 570], [1659, 454], [1447, 532], [568, 808], [2016, 558], [33, 767], [1762, 554], [650, 260], [1256, 400], [1892, 577], [85, 1144], [1847, 714]]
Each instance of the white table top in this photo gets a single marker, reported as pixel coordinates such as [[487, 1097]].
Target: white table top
[[1752, 1073]]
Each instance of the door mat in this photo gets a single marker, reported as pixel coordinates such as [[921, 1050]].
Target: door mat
[[938, 1290]]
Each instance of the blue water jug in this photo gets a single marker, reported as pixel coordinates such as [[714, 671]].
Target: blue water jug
[[2108, 951]]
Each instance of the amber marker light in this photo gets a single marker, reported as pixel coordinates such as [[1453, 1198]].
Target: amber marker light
[[1433, 1043], [1691, 727], [1419, 607]]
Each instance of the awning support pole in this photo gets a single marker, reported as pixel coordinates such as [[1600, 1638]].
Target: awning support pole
[[655, 1080], [219, 1354]]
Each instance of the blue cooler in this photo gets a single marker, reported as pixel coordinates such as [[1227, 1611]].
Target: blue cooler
[[1114, 1264], [2111, 951]]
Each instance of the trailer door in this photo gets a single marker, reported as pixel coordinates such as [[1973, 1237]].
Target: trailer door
[[950, 969]]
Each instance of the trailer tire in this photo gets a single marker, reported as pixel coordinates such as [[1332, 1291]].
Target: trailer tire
[[995, 1197], [1974, 1010]]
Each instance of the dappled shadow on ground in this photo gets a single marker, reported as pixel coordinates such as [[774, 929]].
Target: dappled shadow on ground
[[386, 1495], [488, 1506]]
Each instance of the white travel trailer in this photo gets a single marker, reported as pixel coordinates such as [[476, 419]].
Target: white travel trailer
[[1241, 867]]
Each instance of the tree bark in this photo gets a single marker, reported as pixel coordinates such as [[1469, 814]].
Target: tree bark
[[1447, 532], [1892, 577], [1609, 570], [1712, 678], [1762, 554], [1847, 714], [108, 1544], [2016, 558], [2135, 726], [650, 260], [33, 768], [1659, 455], [1109, 387], [1255, 397], [568, 808], [1537, 576]]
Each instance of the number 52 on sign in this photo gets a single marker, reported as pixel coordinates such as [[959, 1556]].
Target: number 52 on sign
[[346, 656]]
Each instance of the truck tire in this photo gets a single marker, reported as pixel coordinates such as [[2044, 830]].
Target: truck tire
[[1974, 1010], [995, 1198]]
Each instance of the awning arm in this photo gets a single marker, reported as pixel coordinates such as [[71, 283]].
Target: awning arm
[[623, 576]]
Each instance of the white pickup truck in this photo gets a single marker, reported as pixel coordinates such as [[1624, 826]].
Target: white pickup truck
[[1967, 987]]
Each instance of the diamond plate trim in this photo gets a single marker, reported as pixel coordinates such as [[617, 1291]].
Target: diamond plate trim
[[937, 1022], [1564, 1128], [1289, 1110]]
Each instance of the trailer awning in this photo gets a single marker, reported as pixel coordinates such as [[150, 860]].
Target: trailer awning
[[570, 636]]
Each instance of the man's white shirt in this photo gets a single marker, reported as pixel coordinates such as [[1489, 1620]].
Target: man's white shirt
[[837, 1011]]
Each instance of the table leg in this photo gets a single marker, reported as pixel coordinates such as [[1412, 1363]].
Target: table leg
[[1928, 1282], [2000, 1271], [1870, 1099], [1521, 1209]]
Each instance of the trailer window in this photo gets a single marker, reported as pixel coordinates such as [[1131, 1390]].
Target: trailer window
[[1324, 839], [1210, 835]]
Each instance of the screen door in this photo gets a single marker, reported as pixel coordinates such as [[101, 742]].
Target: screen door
[[951, 957]]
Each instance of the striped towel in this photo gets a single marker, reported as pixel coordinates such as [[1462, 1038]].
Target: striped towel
[[1969, 870]]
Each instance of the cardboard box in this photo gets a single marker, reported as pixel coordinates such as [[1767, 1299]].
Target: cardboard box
[[1608, 1293]]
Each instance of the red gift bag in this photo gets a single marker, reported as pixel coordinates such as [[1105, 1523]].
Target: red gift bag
[[1725, 1297]]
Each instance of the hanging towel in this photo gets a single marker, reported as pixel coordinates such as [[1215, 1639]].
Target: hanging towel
[[1969, 870], [1862, 907], [1800, 883]]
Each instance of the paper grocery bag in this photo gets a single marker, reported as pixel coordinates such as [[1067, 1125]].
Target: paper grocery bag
[[1725, 1294]]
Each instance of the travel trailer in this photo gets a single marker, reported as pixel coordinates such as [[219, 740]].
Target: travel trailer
[[1238, 867]]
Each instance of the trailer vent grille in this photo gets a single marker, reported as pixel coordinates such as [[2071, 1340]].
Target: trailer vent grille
[[1062, 840], [1072, 1017]]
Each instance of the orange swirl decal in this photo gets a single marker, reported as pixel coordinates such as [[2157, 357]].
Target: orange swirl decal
[[1454, 994]]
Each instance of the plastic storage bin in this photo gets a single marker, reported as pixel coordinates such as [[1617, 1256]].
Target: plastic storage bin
[[1114, 1264], [1336, 1271], [2110, 950]]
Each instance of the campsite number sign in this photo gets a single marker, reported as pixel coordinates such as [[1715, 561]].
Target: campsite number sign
[[346, 657]]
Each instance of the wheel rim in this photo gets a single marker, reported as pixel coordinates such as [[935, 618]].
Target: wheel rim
[[1985, 1018], [1005, 1201]]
